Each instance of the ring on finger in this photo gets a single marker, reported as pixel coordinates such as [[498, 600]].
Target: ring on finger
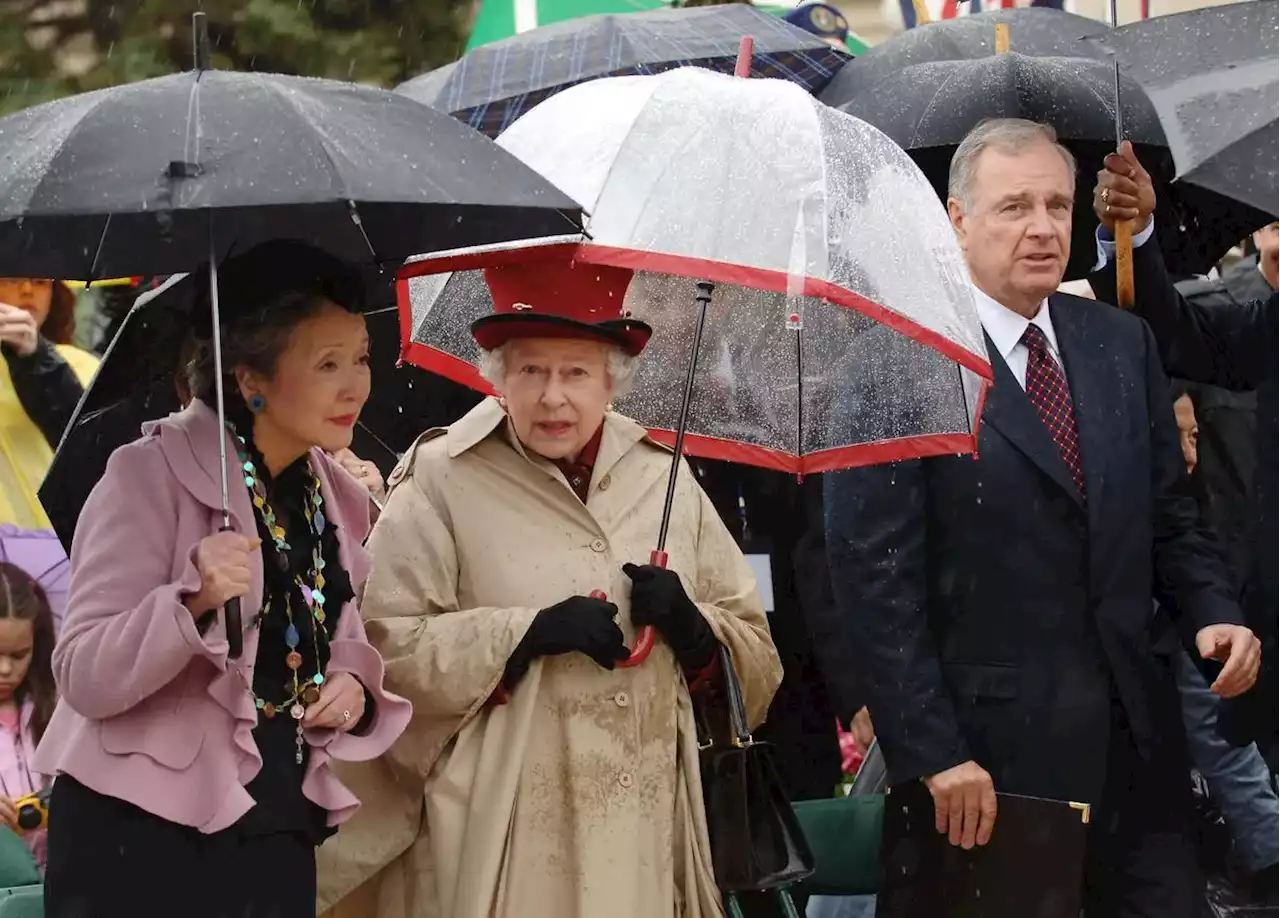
[[1106, 195], [1106, 209]]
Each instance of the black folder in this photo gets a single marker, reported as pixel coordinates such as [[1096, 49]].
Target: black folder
[[1032, 867]]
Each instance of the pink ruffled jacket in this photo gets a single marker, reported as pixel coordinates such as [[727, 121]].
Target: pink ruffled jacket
[[150, 710]]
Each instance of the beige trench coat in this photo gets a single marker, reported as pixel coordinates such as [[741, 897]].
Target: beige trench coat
[[580, 797]]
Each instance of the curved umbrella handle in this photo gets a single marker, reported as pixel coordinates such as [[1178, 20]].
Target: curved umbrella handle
[[646, 637]]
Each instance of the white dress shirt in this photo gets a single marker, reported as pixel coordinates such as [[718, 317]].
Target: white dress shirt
[[1006, 329]]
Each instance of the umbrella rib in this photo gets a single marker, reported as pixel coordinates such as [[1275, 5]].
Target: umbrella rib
[[915, 133], [280, 93]]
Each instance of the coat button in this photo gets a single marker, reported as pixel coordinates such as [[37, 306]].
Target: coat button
[[625, 779], [622, 699], [598, 545], [604, 483]]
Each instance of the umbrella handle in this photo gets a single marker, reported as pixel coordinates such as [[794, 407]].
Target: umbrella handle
[[235, 632], [646, 637]]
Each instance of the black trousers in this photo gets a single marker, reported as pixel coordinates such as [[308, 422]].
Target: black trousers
[[109, 859], [1141, 859]]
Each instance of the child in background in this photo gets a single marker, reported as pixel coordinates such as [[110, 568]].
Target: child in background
[[27, 692]]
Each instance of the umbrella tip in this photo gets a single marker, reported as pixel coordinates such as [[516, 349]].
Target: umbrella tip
[[745, 48], [200, 40]]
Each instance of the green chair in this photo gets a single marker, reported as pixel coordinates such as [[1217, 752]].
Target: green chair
[[21, 892], [22, 902], [17, 866], [845, 834]]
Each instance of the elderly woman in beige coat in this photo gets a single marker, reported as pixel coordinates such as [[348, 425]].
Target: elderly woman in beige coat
[[538, 778]]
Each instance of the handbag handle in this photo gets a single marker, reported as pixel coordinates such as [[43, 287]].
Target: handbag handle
[[741, 736], [733, 691]]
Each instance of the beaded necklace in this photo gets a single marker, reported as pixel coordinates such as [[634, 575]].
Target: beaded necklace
[[303, 692]]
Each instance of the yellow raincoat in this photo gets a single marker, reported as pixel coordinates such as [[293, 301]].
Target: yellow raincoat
[[24, 452]]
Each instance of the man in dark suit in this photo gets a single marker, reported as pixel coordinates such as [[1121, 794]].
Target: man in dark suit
[[1000, 606], [1234, 347]]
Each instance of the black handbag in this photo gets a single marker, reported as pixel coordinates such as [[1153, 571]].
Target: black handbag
[[756, 841]]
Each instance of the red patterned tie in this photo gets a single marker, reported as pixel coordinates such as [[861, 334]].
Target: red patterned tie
[[1047, 389]]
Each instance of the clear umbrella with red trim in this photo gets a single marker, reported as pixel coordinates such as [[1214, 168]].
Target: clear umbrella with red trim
[[834, 323]]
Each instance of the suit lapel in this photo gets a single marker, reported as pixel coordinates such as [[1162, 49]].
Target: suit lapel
[[1010, 412], [1095, 383]]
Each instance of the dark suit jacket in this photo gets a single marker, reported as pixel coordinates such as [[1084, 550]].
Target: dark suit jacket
[[998, 617], [1235, 348]]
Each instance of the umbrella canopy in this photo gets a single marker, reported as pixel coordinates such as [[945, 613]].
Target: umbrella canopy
[[841, 329], [40, 554], [1033, 31], [132, 179], [1211, 75], [929, 108], [494, 85]]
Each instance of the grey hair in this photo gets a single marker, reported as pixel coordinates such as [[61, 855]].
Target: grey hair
[[1012, 135], [621, 367]]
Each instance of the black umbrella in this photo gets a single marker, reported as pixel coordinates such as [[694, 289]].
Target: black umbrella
[[929, 108], [158, 176], [131, 180], [494, 84], [1211, 75], [1033, 31]]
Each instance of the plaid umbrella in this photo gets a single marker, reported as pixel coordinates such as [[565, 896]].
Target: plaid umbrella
[[499, 19], [491, 86]]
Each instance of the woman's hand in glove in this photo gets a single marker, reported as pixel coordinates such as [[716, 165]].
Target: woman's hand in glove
[[658, 599], [579, 623]]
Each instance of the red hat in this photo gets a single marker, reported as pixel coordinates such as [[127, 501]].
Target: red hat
[[560, 299]]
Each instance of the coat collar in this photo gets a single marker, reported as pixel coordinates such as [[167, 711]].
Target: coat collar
[[189, 441], [620, 434], [1096, 379]]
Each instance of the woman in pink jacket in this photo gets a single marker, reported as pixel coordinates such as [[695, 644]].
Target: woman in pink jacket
[[188, 783]]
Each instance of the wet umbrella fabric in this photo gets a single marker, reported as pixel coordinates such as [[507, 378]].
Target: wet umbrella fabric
[[1212, 76], [929, 108], [841, 329], [1033, 31], [131, 180], [495, 84]]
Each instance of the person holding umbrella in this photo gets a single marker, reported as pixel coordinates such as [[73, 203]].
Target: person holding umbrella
[[503, 589], [1001, 609], [42, 378], [175, 764]]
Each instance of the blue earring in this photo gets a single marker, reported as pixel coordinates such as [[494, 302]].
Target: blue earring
[[257, 403]]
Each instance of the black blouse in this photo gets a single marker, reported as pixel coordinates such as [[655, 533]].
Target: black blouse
[[277, 788]]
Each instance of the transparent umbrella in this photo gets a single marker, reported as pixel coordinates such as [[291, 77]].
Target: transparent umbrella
[[834, 323], [841, 330]]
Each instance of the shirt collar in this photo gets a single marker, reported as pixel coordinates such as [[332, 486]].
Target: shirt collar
[[1006, 327], [587, 458]]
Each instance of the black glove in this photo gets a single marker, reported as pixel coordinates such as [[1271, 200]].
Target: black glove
[[578, 623], [658, 598]]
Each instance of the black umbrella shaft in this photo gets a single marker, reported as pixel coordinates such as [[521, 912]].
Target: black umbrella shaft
[[235, 636], [704, 300]]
